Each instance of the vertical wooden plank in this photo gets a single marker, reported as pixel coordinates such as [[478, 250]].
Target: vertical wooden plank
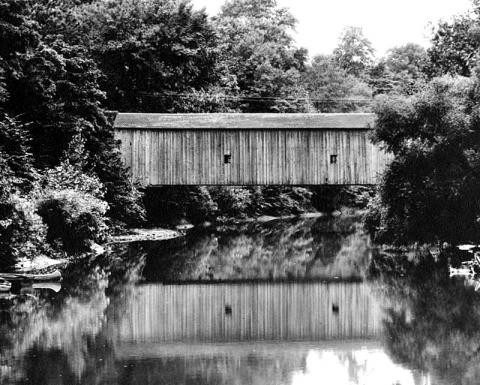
[[259, 156], [153, 177], [210, 161]]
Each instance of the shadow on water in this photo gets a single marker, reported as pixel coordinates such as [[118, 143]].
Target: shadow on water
[[150, 314]]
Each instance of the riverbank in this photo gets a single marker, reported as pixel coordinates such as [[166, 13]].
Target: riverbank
[[137, 235], [162, 234]]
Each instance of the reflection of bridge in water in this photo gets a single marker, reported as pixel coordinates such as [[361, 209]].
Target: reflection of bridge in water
[[312, 311]]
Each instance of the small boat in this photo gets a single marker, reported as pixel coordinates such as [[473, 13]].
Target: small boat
[[4, 285], [54, 276]]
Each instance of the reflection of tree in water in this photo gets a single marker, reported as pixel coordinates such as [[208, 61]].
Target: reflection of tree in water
[[63, 336], [314, 248], [343, 249], [432, 323]]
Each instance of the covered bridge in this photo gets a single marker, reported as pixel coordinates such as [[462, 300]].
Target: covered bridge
[[249, 149]]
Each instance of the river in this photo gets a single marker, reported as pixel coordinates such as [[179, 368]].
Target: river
[[298, 301]]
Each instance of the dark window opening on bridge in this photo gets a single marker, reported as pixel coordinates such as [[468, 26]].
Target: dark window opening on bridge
[[333, 159], [227, 159]]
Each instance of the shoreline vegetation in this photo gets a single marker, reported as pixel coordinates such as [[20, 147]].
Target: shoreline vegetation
[[64, 64], [43, 263]]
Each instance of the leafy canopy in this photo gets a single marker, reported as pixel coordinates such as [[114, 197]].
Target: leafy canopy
[[142, 47], [455, 46], [354, 52], [326, 83], [258, 55]]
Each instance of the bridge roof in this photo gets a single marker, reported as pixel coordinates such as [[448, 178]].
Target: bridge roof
[[244, 121]]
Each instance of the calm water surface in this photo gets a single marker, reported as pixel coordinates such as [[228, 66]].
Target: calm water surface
[[305, 301]]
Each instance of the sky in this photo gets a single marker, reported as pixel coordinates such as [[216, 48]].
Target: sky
[[386, 23]]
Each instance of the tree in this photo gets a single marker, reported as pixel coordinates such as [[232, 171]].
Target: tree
[[16, 35], [258, 55], [354, 52], [382, 80], [402, 71], [410, 58], [455, 44], [52, 88], [430, 191], [332, 89], [17, 173], [142, 47]]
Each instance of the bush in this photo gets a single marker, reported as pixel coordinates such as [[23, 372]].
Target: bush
[[261, 200], [67, 176], [64, 209], [171, 204], [233, 201], [6, 179], [331, 198], [72, 206], [373, 218], [284, 200], [74, 219], [22, 232]]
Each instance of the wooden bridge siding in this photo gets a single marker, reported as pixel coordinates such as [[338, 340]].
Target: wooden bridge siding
[[259, 311], [296, 157]]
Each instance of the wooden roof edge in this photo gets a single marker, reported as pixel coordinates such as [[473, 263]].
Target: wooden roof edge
[[244, 121]]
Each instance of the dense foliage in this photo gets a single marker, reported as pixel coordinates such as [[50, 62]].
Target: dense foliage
[[332, 89], [199, 204], [71, 205], [22, 231], [403, 71], [354, 52], [52, 88], [431, 190], [455, 46], [260, 61], [50, 109], [142, 48]]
